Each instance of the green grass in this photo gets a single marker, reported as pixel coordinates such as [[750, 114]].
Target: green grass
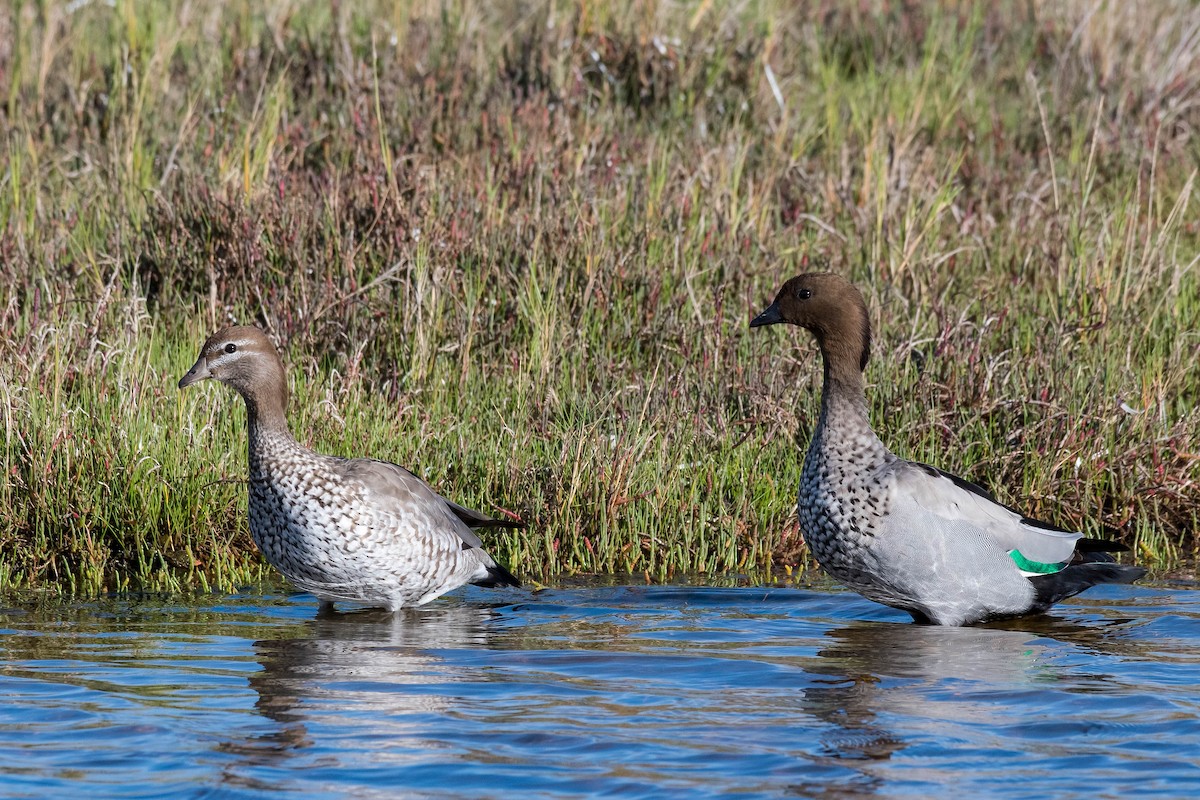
[[515, 247]]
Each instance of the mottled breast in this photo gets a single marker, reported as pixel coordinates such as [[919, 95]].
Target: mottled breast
[[302, 520], [843, 496]]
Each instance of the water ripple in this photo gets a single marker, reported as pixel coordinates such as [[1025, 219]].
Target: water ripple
[[629, 691]]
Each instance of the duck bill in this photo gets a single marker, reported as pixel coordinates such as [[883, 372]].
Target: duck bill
[[197, 373], [769, 317]]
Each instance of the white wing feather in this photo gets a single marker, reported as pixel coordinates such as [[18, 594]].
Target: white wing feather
[[957, 500]]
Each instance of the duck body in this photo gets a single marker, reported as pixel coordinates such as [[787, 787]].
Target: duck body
[[903, 533], [344, 529]]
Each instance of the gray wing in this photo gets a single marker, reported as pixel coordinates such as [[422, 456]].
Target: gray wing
[[397, 487], [955, 499], [473, 518]]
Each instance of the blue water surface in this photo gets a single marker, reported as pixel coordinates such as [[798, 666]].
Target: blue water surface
[[603, 691]]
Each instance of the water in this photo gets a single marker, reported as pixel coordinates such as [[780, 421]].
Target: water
[[619, 691]]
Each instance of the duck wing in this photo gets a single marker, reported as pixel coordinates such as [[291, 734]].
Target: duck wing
[[953, 498], [400, 491]]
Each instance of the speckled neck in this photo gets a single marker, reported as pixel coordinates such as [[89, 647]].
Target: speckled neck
[[844, 430], [265, 431], [268, 429]]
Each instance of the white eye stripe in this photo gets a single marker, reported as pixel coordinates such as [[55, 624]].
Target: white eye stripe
[[223, 354]]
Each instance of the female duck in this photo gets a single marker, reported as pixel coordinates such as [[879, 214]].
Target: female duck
[[349, 529], [906, 534]]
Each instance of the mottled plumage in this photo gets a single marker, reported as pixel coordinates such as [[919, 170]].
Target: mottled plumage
[[906, 534], [351, 529]]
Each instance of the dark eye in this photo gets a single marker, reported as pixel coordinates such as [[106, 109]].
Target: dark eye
[[231, 348], [804, 294]]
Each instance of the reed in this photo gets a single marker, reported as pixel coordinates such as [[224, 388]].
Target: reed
[[515, 248]]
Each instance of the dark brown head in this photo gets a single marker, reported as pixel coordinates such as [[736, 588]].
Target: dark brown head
[[829, 306], [244, 358]]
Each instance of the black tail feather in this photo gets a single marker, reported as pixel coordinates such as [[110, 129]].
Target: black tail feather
[[498, 576], [477, 519], [1077, 577], [495, 523], [1100, 546]]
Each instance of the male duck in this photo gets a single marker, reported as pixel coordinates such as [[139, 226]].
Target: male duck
[[906, 534], [344, 529]]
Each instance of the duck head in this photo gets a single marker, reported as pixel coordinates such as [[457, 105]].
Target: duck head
[[829, 306], [243, 358]]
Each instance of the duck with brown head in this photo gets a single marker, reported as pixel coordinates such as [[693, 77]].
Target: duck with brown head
[[903, 533], [344, 529]]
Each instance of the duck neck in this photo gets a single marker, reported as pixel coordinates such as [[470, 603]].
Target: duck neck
[[267, 423], [844, 429], [843, 398]]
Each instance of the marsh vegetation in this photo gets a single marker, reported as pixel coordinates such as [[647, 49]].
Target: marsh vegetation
[[514, 246]]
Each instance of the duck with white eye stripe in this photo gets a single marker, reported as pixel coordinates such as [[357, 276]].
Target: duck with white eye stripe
[[903, 533], [344, 529]]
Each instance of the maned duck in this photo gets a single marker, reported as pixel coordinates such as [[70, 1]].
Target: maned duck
[[344, 529], [903, 533]]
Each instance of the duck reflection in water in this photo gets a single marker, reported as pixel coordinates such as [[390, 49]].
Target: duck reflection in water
[[368, 673], [884, 677]]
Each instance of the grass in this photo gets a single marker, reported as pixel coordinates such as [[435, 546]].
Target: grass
[[515, 246]]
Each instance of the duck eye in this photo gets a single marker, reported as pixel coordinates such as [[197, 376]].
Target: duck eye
[[231, 348], [804, 294]]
